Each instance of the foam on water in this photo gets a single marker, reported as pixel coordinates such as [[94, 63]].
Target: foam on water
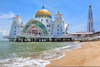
[[40, 61]]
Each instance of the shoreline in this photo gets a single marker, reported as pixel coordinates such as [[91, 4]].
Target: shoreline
[[41, 59], [79, 56]]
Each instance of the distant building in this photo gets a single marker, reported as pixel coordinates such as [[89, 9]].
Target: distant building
[[81, 34], [90, 25]]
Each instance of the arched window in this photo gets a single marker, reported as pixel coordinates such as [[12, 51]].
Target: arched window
[[49, 30], [46, 20], [41, 20], [51, 21], [14, 33]]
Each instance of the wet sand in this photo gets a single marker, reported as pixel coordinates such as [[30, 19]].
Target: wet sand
[[87, 55]]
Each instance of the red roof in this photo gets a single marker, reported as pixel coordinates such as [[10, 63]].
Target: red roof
[[58, 14], [81, 32], [16, 17]]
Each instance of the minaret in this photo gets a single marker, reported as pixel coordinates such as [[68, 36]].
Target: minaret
[[17, 27], [90, 26], [58, 24]]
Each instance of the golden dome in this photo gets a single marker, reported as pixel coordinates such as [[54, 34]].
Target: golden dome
[[90, 6], [43, 12]]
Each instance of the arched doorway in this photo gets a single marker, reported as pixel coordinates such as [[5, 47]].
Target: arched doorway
[[37, 24], [34, 30]]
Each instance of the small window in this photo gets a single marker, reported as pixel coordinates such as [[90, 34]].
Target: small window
[[51, 21], [57, 29], [46, 20], [15, 27], [15, 30], [49, 25], [21, 26], [57, 25], [49, 30], [58, 33], [41, 20], [14, 33]]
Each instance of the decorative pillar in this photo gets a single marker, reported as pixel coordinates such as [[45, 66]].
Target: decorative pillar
[[19, 39], [50, 39], [34, 39], [27, 39]]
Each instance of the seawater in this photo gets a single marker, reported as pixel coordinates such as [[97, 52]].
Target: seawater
[[32, 54]]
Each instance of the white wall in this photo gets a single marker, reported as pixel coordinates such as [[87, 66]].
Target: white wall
[[16, 28], [48, 25], [58, 21]]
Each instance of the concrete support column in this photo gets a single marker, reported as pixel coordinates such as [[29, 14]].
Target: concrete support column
[[35, 40], [27, 39], [30, 40], [40, 40], [47, 39], [44, 40], [53, 39], [14, 39], [50, 39], [70, 39], [61, 39], [19, 39]]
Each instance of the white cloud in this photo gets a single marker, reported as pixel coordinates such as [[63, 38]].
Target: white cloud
[[4, 15], [3, 32]]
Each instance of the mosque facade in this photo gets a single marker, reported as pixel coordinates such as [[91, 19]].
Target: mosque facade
[[42, 25]]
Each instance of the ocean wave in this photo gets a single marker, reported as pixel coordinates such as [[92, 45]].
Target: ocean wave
[[39, 61]]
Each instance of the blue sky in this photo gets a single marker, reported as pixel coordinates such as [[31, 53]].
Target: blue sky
[[75, 12]]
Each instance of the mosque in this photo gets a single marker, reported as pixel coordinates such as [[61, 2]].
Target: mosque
[[42, 28]]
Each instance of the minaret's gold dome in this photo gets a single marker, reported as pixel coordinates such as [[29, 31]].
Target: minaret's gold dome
[[43, 13]]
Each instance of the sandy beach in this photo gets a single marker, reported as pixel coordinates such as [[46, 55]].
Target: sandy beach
[[87, 55]]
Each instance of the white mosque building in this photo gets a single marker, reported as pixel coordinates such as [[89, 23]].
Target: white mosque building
[[40, 28]]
